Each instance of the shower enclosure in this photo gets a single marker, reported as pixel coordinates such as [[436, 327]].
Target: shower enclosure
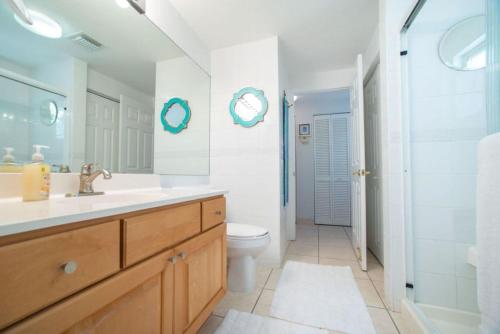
[[445, 117]]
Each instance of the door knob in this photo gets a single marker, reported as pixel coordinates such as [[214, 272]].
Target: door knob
[[356, 173], [70, 267]]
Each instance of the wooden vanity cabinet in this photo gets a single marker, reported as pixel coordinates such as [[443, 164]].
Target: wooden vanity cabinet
[[173, 274], [200, 279]]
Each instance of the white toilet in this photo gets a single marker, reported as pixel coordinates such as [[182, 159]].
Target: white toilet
[[244, 244]]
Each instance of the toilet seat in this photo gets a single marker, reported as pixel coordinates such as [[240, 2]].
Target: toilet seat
[[245, 232]]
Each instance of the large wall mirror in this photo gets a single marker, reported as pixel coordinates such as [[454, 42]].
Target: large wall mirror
[[91, 83]]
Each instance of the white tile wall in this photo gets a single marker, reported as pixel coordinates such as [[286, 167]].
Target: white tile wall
[[435, 256], [466, 294], [246, 161], [440, 290]]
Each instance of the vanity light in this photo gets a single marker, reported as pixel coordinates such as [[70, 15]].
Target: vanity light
[[122, 3], [42, 25]]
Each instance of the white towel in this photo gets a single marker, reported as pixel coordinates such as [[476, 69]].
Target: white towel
[[488, 233]]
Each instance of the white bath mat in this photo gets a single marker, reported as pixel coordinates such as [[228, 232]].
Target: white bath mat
[[247, 323], [321, 296]]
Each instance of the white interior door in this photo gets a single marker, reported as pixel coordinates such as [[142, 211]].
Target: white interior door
[[374, 222], [358, 166], [101, 132], [136, 136], [332, 202]]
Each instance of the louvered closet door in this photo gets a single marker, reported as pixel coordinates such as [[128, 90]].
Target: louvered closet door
[[322, 171], [332, 189], [341, 170]]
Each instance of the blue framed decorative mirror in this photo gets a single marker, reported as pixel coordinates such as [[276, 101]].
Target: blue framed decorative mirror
[[248, 107], [175, 115]]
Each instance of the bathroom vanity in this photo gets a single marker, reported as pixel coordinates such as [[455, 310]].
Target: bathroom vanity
[[136, 262]]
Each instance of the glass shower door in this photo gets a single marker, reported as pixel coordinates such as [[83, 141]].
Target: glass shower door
[[452, 102]]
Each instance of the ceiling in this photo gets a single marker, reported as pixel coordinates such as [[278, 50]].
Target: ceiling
[[316, 35], [131, 43], [325, 98]]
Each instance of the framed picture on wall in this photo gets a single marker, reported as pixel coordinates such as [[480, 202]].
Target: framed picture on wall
[[305, 129]]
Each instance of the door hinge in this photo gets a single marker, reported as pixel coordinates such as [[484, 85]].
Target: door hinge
[[403, 53], [409, 285]]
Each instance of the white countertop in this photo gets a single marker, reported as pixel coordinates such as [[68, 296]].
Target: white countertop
[[17, 216]]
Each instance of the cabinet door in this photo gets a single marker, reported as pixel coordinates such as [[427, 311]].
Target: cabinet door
[[200, 278], [138, 300]]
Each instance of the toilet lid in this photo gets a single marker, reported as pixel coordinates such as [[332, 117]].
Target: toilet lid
[[244, 231]]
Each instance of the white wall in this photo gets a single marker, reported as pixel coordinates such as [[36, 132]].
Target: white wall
[[447, 120], [306, 106], [114, 88], [392, 14], [187, 152], [246, 161], [321, 81], [371, 54], [168, 19], [13, 67]]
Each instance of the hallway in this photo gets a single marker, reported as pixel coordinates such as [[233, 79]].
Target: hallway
[[329, 245]]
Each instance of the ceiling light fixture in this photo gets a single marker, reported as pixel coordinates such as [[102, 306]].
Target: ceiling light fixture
[[20, 10], [42, 25], [122, 3]]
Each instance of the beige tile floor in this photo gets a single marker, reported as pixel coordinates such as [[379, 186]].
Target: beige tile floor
[[316, 244]]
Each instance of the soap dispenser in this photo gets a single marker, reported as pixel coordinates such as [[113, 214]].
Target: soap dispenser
[[9, 162], [36, 177]]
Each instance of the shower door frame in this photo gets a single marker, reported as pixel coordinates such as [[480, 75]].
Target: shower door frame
[[408, 229], [407, 171]]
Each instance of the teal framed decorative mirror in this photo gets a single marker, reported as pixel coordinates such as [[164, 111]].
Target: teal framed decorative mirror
[[175, 115], [248, 107]]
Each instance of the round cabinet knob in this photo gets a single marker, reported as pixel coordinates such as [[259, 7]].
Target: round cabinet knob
[[70, 267], [182, 255], [218, 212], [172, 259]]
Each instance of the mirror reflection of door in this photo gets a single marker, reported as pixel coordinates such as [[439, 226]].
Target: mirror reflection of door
[[101, 131]]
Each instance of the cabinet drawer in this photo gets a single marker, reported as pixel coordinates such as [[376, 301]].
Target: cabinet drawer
[[150, 233], [213, 212], [39, 272], [137, 300]]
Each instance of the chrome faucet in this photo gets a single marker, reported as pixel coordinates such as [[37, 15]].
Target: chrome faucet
[[87, 176]]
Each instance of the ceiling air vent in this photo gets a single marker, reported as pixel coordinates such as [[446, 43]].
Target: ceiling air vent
[[86, 41]]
